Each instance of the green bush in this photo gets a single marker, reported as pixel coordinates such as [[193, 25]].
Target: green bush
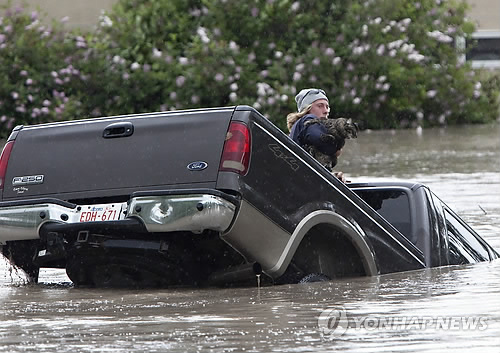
[[36, 82], [385, 63]]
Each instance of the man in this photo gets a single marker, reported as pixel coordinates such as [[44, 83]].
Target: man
[[312, 103]]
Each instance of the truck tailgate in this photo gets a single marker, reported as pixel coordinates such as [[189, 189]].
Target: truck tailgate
[[79, 156]]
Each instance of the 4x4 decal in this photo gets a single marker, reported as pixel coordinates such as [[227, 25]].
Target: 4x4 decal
[[278, 152]]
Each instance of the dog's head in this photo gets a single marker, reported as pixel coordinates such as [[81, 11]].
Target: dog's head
[[350, 128]]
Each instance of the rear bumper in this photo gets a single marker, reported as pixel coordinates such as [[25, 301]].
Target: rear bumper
[[160, 212]]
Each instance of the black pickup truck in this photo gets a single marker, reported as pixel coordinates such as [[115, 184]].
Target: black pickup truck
[[208, 197]]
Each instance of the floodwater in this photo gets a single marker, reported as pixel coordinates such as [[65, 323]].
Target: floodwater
[[443, 309]]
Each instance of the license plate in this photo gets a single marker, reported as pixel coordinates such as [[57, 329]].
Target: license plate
[[100, 213]]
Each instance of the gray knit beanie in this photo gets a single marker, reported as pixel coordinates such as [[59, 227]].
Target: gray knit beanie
[[308, 96]]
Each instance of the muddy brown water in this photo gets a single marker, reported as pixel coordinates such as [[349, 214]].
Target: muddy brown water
[[442, 309]]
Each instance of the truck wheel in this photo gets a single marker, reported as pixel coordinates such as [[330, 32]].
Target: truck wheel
[[314, 277]]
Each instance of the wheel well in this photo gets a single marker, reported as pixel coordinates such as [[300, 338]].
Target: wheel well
[[326, 249]]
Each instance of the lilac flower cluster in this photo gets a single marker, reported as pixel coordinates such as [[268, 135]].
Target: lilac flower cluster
[[36, 91]]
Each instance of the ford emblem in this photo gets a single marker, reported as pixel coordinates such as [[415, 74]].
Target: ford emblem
[[195, 166]]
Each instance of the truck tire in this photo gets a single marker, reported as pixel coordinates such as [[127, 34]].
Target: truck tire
[[315, 277]]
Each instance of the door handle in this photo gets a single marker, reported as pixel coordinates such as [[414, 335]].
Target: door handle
[[114, 130]]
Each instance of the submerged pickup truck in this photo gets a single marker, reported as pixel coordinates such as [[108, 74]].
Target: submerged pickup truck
[[208, 197]]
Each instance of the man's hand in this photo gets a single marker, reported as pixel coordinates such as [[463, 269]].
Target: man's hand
[[340, 176]]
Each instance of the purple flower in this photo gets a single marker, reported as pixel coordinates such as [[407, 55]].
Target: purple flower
[[233, 46], [196, 12], [219, 77], [15, 95], [255, 12], [431, 93], [46, 103], [2, 37], [173, 95], [29, 81], [297, 76], [135, 66], [23, 73], [45, 110], [157, 53], [180, 80], [81, 44]]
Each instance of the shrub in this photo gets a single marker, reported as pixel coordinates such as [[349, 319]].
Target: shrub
[[36, 80], [385, 63]]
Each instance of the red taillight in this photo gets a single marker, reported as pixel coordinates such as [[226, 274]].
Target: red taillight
[[236, 153], [4, 160]]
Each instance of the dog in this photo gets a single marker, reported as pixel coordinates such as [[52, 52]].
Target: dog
[[339, 130]]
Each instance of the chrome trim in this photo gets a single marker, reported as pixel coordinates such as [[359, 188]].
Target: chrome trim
[[23, 222], [165, 213], [256, 237], [353, 232], [194, 213]]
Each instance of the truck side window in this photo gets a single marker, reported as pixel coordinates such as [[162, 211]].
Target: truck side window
[[393, 205], [458, 255], [463, 244]]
